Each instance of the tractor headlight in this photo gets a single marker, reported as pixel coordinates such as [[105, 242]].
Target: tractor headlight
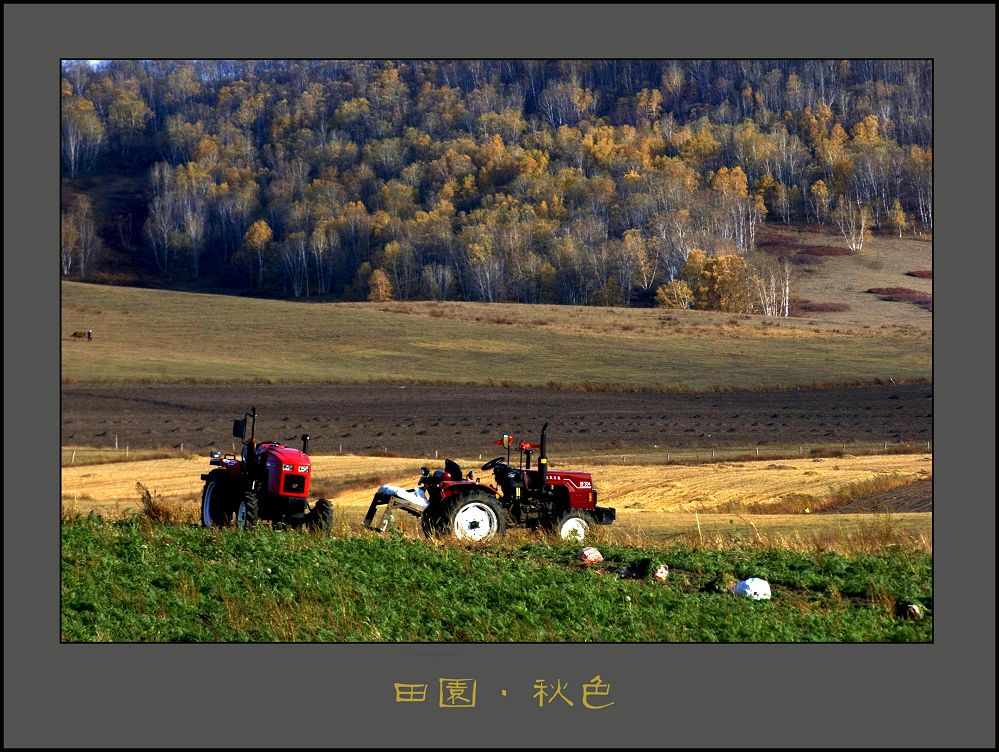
[[303, 468], [287, 468]]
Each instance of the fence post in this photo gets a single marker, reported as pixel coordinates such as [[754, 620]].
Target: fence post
[[886, 446], [667, 456], [126, 451], [712, 454], [73, 461], [182, 447], [757, 451], [116, 442]]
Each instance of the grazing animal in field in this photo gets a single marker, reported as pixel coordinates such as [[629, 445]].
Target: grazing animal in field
[[87, 335]]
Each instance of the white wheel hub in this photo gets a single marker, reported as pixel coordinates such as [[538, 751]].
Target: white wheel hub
[[574, 527], [475, 522]]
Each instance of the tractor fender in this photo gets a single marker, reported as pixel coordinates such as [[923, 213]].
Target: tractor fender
[[462, 487]]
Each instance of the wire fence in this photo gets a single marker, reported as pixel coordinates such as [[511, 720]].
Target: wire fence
[[657, 455]]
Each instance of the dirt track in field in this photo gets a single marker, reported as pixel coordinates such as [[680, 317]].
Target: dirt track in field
[[417, 420], [917, 497]]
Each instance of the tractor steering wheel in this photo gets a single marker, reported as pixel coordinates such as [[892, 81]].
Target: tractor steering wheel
[[492, 463]]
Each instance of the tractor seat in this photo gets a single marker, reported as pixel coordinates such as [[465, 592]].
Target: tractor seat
[[453, 469]]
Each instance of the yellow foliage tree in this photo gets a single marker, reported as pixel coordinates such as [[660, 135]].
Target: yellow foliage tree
[[676, 294], [820, 198], [256, 240], [898, 218], [693, 275], [728, 282], [379, 286]]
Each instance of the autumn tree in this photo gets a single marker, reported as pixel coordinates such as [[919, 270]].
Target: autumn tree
[[675, 294], [293, 252], [69, 243], [771, 282], [82, 245], [83, 134], [819, 196], [728, 284], [740, 213], [545, 180], [380, 287], [127, 116], [853, 222], [256, 242], [898, 218], [164, 218], [437, 281]]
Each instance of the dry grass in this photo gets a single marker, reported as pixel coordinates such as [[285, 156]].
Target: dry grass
[[89, 455], [655, 503], [154, 508], [350, 480], [884, 262]]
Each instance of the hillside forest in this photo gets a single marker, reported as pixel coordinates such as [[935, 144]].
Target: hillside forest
[[584, 182]]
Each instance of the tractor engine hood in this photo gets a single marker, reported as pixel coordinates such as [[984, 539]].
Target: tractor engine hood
[[574, 478], [284, 454]]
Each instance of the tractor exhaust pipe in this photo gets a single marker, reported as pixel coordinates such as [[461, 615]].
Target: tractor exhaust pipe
[[305, 443], [543, 458]]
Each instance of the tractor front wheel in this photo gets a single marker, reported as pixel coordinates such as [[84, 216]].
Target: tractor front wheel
[[476, 517], [322, 516], [574, 525], [248, 512], [215, 511]]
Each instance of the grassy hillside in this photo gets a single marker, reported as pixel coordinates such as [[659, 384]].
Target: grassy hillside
[[160, 336], [134, 580], [885, 261]]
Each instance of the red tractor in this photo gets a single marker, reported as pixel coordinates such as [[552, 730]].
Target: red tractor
[[269, 481], [560, 501]]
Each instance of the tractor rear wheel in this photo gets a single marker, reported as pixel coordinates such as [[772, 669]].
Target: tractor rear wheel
[[322, 516], [476, 517], [215, 507], [248, 512], [574, 525]]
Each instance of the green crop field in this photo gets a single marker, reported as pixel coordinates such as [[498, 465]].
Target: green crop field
[[135, 580], [162, 337]]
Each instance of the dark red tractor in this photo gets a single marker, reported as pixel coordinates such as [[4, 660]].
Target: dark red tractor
[[563, 502], [269, 481]]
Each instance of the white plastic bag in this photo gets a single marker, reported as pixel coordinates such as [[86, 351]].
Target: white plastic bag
[[754, 588]]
